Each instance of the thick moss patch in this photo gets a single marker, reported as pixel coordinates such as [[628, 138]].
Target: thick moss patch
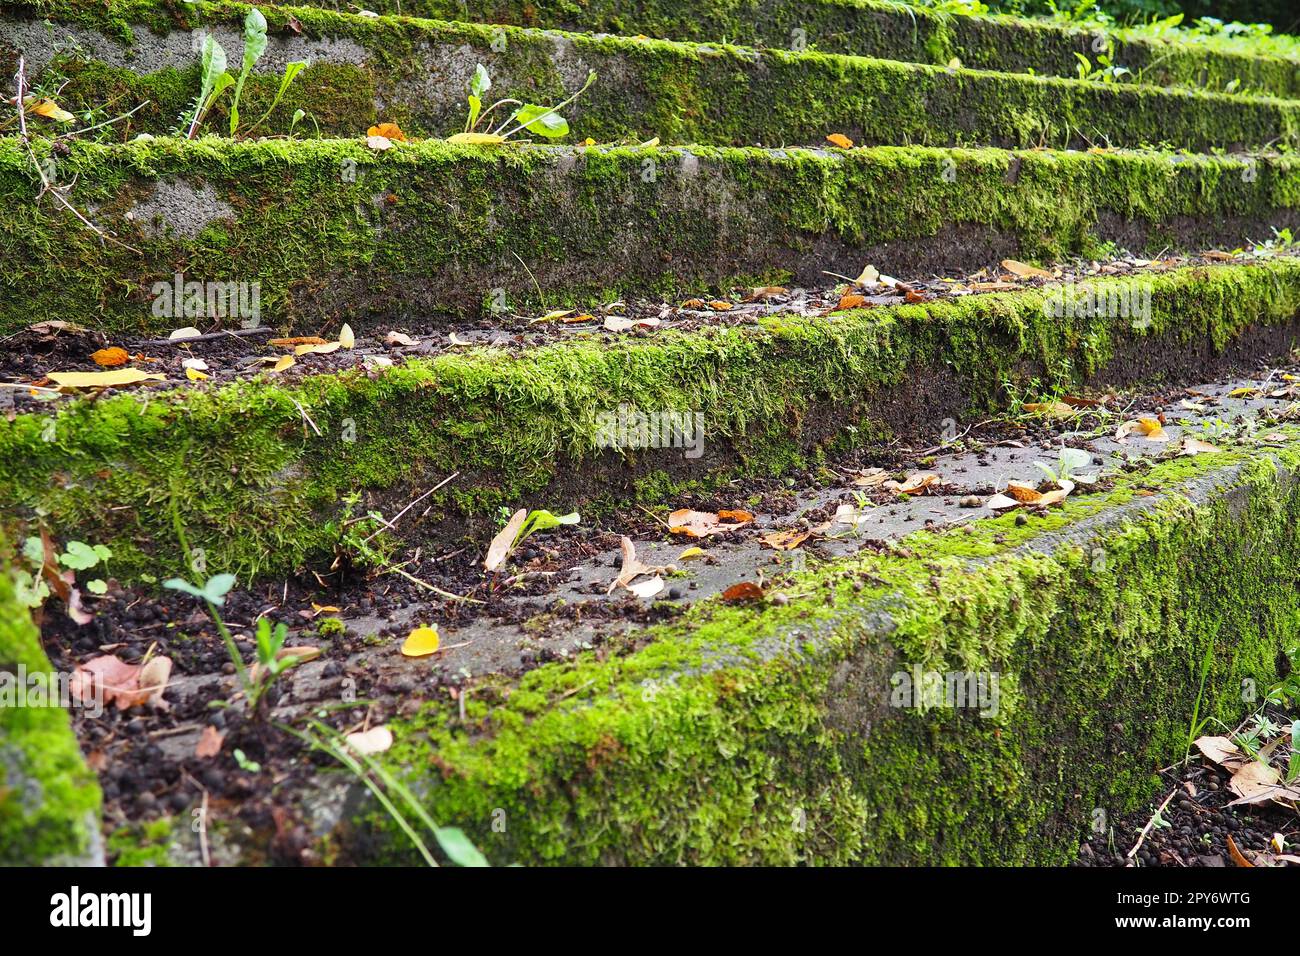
[[239, 470], [332, 231], [49, 799], [712, 93], [772, 736], [857, 27]]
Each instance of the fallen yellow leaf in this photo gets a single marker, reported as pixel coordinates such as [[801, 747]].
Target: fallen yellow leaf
[[50, 110], [194, 375], [477, 139], [346, 338], [421, 642], [316, 349], [286, 361], [121, 376], [840, 140]]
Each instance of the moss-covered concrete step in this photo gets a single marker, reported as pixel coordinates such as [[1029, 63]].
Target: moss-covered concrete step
[[49, 800], [887, 31], [325, 232], [416, 73], [977, 696], [1065, 645], [266, 478]]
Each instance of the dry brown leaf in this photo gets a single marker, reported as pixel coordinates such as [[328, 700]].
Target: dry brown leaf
[[1023, 270], [615, 323], [633, 567], [501, 545], [1220, 750], [373, 741], [299, 340], [210, 741], [1253, 779], [125, 684], [701, 524], [743, 592], [871, 478], [647, 588], [851, 300], [785, 540], [916, 483], [1194, 446]]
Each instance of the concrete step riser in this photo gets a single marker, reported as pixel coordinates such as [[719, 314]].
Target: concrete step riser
[[330, 232]]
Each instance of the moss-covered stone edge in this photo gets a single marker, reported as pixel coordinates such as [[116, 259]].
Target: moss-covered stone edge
[[683, 92], [241, 471], [49, 799], [334, 232], [854, 27], [743, 736]]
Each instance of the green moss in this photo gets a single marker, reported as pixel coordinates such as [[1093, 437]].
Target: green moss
[[49, 800], [712, 93], [254, 486], [142, 844], [332, 231], [741, 736], [858, 27]]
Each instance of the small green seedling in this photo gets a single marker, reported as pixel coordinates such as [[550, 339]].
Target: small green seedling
[[39, 567], [542, 120], [270, 641], [518, 529], [1293, 765], [248, 766], [214, 80], [1067, 462], [543, 520]]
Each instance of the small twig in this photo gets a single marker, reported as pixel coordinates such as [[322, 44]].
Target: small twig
[[116, 119], [203, 831], [1150, 823], [536, 285], [206, 337], [525, 575], [20, 81], [573, 690], [425, 584], [389, 524], [302, 411]]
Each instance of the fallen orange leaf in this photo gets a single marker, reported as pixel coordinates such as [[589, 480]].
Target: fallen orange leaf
[[840, 140], [388, 131], [743, 592], [111, 357]]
